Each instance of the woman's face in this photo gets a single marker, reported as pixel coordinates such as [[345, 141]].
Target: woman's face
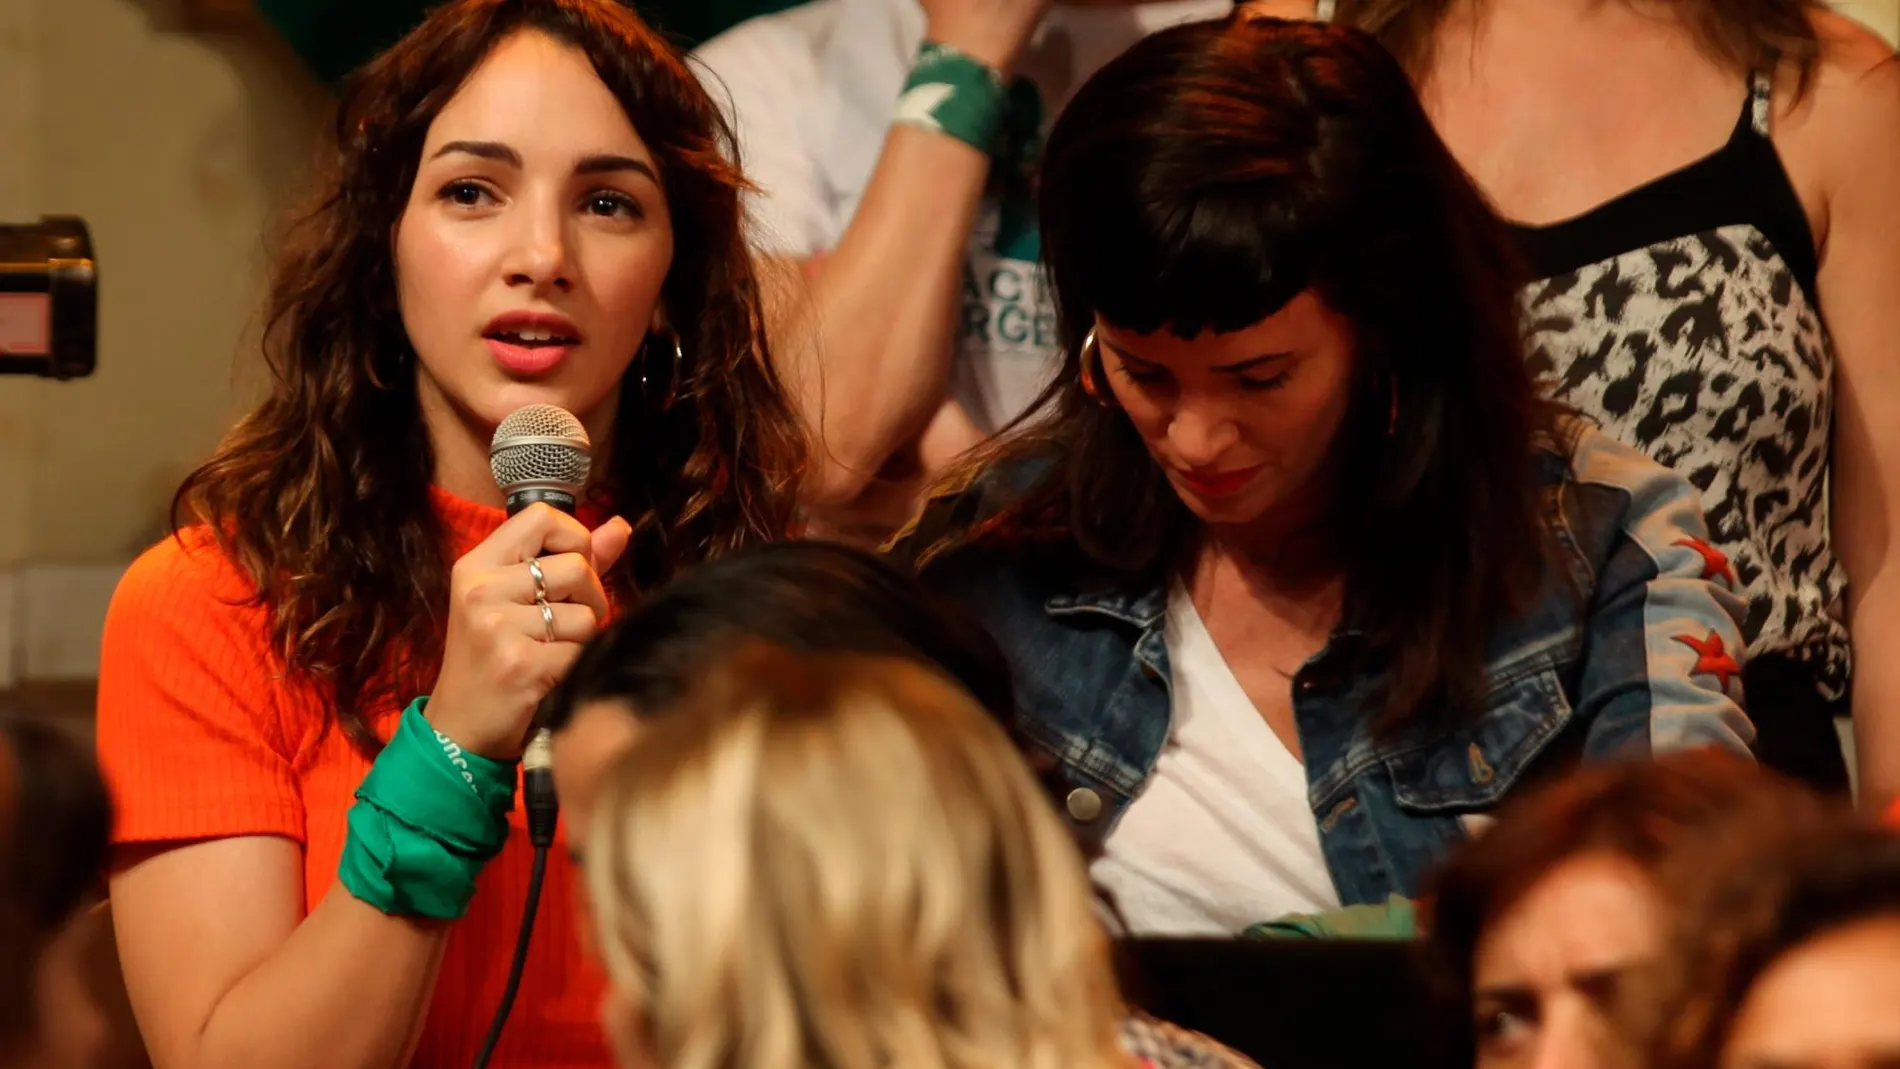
[[1241, 423], [1546, 972], [1831, 1003], [534, 244]]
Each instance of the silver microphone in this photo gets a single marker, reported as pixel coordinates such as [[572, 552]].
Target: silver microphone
[[540, 453]]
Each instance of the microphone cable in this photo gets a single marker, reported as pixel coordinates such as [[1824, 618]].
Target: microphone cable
[[539, 453], [537, 790]]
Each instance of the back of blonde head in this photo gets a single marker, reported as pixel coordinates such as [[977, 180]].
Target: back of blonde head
[[842, 863]]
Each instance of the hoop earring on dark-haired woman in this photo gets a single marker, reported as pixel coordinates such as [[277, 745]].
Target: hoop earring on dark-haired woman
[[1091, 356], [672, 376]]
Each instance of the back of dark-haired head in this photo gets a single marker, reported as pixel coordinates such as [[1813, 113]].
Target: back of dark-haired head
[[1744, 900], [1645, 812], [806, 597], [321, 492], [55, 824], [1201, 181]]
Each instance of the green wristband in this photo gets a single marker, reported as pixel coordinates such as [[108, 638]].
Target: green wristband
[[427, 818], [954, 93], [1395, 918]]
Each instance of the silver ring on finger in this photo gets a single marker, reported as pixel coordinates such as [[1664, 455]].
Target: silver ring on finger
[[547, 617], [540, 581]]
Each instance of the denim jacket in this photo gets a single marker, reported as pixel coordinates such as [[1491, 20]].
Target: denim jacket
[[1637, 654]]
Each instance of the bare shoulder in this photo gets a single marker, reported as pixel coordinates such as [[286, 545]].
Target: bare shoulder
[[1847, 43], [1845, 130], [1855, 93]]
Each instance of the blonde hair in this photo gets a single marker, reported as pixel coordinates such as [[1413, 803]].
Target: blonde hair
[[841, 862]]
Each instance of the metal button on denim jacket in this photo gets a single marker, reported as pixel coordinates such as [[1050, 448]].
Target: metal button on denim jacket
[[1636, 654]]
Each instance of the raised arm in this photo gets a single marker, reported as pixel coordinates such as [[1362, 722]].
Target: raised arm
[[867, 342]]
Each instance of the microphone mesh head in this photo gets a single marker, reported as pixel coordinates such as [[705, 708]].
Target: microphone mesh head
[[540, 444]]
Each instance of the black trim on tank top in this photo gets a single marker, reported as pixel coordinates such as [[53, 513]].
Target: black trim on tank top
[[1741, 183]]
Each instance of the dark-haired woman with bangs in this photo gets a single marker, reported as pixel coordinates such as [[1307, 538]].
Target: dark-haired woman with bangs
[[313, 697], [1299, 571]]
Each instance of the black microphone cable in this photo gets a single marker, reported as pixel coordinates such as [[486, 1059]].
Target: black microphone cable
[[537, 790], [539, 453]]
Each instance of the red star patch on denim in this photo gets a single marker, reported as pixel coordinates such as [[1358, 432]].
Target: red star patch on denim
[[1712, 658], [1714, 561]]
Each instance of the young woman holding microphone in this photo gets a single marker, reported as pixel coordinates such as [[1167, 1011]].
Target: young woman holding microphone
[[530, 202]]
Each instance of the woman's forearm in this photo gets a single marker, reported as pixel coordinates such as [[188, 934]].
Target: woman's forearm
[[348, 990], [225, 971], [1876, 696], [869, 341]]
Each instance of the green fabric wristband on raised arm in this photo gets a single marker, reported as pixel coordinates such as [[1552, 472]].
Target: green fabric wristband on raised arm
[[951, 92]]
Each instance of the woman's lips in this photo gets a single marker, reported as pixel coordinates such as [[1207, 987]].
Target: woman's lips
[[1219, 484], [517, 358]]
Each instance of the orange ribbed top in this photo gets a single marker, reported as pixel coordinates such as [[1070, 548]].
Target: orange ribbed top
[[200, 736]]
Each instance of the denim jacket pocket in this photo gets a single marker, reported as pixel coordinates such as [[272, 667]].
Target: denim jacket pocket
[[1473, 767]]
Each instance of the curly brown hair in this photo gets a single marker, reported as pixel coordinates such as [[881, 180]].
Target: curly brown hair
[[320, 494], [1745, 901], [1644, 812]]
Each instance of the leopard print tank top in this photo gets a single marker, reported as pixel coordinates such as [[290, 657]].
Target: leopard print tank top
[[1682, 318]]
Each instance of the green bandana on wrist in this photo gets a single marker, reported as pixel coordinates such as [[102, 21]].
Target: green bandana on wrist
[[427, 818], [953, 93]]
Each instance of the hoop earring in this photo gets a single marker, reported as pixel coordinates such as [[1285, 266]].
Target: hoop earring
[[672, 379], [1092, 355]]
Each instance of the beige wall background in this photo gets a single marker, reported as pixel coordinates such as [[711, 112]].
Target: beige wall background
[[179, 144], [1882, 15], [176, 146]]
